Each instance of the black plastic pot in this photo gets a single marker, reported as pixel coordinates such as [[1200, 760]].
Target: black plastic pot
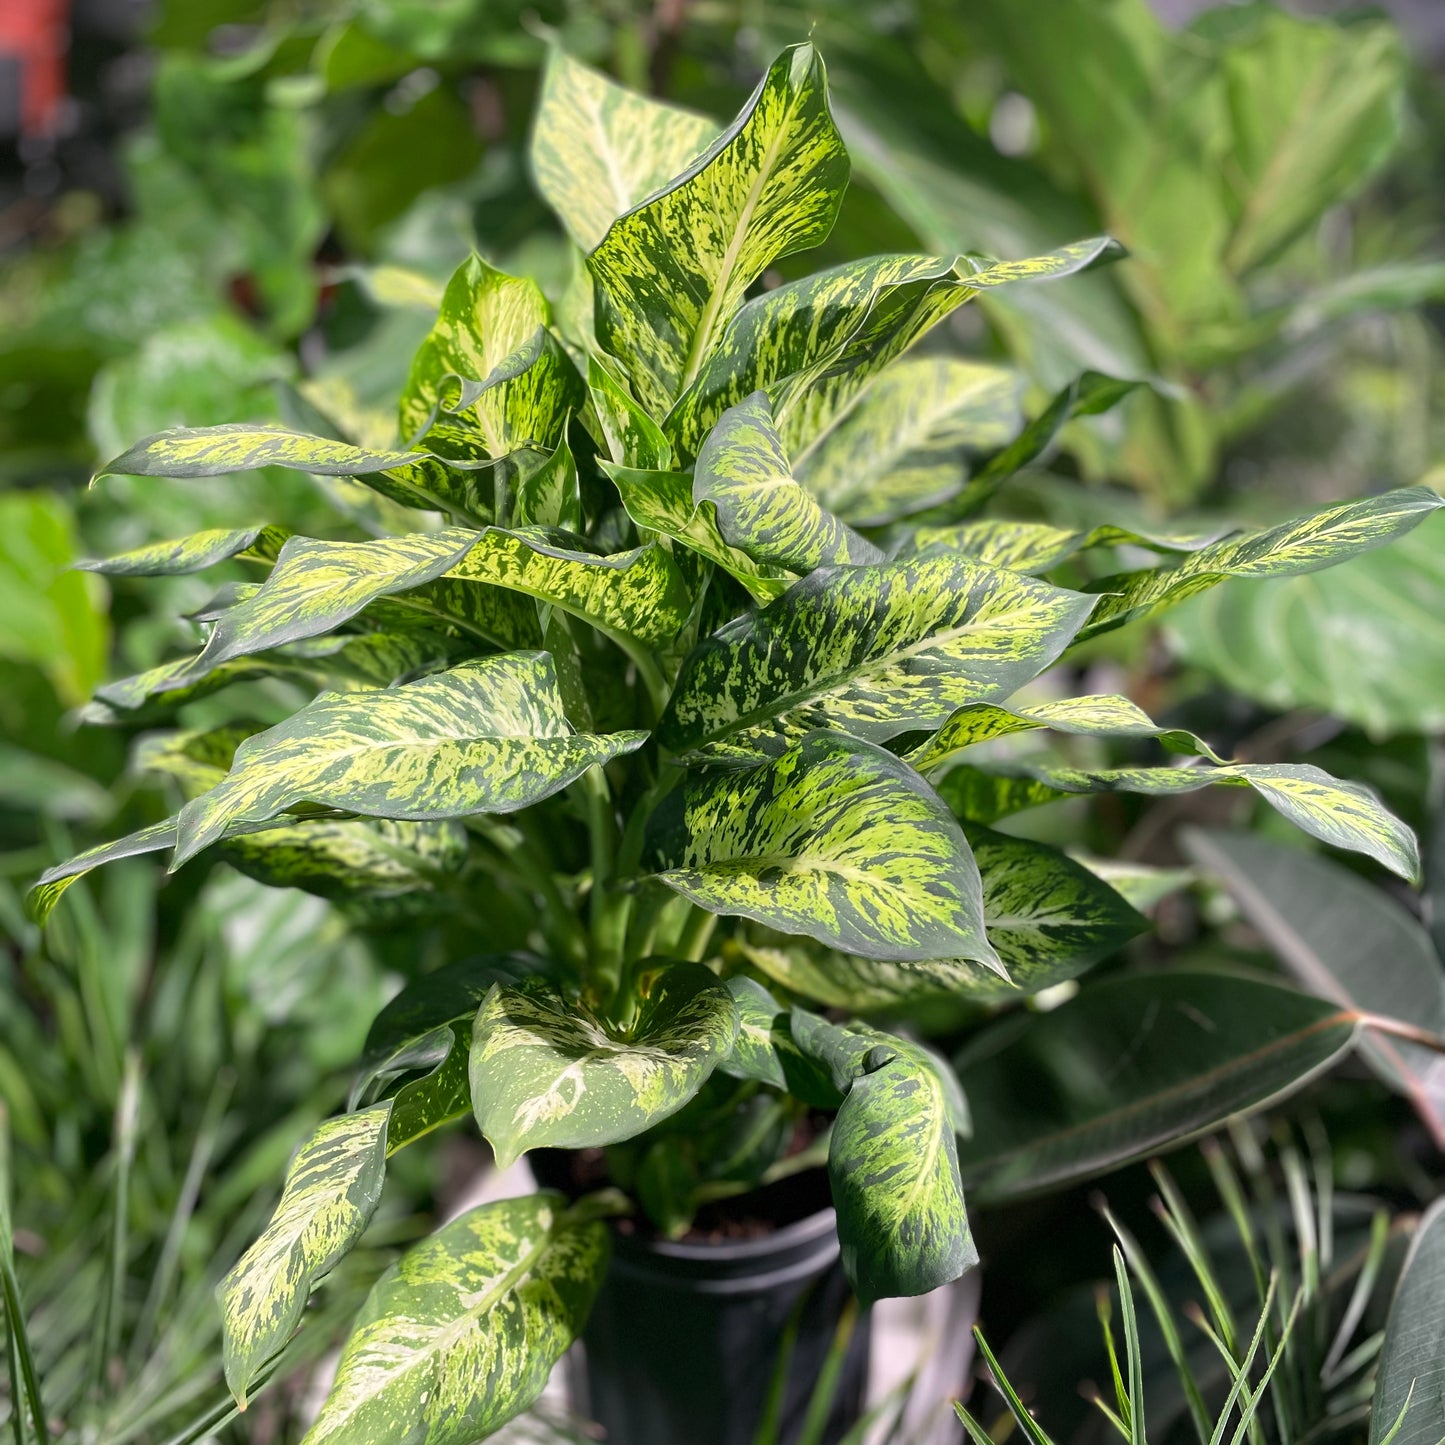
[[685, 1340]]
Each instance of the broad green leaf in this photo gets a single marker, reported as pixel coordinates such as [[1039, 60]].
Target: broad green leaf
[[1342, 814], [1330, 536], [761, 507], [1141, 885], [1133, 1065], [892, 1159], [632, 437], [662, 502], [1038, 547], [755, 1053], [191, 554], [893, 1168], [331, 1191], [978, 796], [599, 148], [546, 1072], [904, 444], [1412, 1358], [491, 359], [874, 651], [816, 345], [547, 494], [46, 891], [671, 273], [1357, 641], [1048, 918], [489, 736], [1102, 715], [1346, 941], [837, 840], [460, 1334]]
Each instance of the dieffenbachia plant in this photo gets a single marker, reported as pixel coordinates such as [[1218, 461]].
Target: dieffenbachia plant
[[689, 656]]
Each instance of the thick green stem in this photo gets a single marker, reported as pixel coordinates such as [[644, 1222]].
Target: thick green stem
[[696, 934], [611, 907]]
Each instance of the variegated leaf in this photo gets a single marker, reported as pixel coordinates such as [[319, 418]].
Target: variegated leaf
[[838, 840], [893, 1161], [489, 736], [599, 148], [873, 651], [762, 1034], [633, 439], [191, 554], [1342, 814], [547, 495], [761, 508], [491, 361], [331, 1190], [47, 890], [816, 345], [460, 1334], [1102, 715], [1048, 918], [662, 502], [546, 1072], [671, 272], [1317, 541], [904, 443], [1037, 547]]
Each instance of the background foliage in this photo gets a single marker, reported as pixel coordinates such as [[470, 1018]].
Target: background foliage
[[306, 181]]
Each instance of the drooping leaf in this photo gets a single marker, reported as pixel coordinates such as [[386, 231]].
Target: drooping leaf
[[1301, 641], [491, 361], [546, 1072], [904, 444], [47, 890], [1129, 1066], [836, 839], [761, 507], [662, 502], [1342, 814], [1346, 941], [460, 1334], [191, 554], [1329, 536], [875, 651], [1412, 1358], [599, 148], [1102, 715], [1038, 547], [489, 736], [331, 1191], [632, 437], [671, 273]]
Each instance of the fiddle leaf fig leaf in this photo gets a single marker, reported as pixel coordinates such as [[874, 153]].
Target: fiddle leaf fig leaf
[[1101, 715], [1037, 547], [1343, 814], [873, 651], [191, 554], [546, 1072], [837, 839], [491, 359], [662, 502], [1317, 541], [489, 736], [903, 444], [671, 272], [761, 508], [599, 148], [816, 345], [460, 1334], [331, 1192], [893, 1169]]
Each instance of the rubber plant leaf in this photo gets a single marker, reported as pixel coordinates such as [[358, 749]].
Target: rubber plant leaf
[[461, 1333], [874, 651], [489, 736], [671, 272], [547, 1072], [836, 839], [331, 1191]]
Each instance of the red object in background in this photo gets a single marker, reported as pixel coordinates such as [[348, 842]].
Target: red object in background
[[37, 34]]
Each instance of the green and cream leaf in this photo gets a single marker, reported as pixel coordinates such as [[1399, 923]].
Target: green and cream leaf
[[191, 554]]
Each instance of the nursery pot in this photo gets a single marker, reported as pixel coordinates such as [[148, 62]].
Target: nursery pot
[[688, 1339]]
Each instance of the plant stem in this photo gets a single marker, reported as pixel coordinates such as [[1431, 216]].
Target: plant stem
[[696, 934], [610, 907]]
